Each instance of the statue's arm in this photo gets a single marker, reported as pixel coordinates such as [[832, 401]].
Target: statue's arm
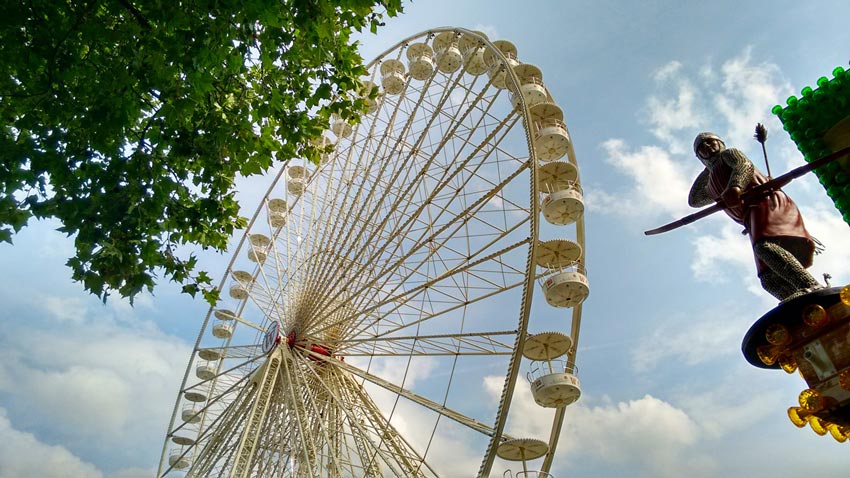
[[699, 196], [742, 168]]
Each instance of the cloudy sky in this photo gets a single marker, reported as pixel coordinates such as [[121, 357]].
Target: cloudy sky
[[86, 389]]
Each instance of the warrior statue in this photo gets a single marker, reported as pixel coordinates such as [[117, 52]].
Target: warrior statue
[[782, 247]]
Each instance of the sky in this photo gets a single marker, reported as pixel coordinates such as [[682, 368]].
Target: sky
[[87, 389]]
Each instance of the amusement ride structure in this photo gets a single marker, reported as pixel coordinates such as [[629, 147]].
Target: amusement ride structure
[[378, 309]]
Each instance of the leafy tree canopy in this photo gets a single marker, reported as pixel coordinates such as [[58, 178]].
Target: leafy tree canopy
[[128, 120]]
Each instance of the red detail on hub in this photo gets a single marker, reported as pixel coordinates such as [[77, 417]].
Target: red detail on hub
[[314, 348]]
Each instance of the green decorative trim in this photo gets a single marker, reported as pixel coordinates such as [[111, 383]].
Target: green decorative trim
[[818, 121]]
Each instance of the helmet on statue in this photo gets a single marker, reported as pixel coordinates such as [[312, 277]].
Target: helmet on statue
[[702, 138]]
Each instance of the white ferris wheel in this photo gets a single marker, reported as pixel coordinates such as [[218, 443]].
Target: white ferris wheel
[[374, 294]]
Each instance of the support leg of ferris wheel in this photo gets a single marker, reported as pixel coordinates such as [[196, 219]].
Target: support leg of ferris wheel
[[401, 449], [264, 380]]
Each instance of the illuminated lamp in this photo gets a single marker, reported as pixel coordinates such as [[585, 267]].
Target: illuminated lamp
[[845, 295], [818, 425], [788, 363], [815, 316], [796, 419], [837, 432], [777, 334], [767, 354], [810, 400]]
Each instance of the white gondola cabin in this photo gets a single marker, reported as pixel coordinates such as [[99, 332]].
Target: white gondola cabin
[[530, 86], [448, 56], [393, 76], [551, 140], [553, 380], [420, 61], [564, 206], [498, 69], [472, 50]]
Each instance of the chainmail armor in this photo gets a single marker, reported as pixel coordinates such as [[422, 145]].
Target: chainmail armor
[[786, 276]]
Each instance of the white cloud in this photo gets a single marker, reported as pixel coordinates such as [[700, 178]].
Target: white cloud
[[672, 112], [135, 472], [660, 184], [692, 338], [719, 256], [644, 434], [647, 433], [668, 71], [724, 408], [489, 30], [826, 225], [92, 379], [22, 454], [748, 92], [450, 452], [65, 309]]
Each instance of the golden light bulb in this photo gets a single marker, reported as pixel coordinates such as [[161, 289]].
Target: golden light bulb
[[818, 425], [815, 316], [767, 354], [788, 363], [845, 295], [796, 419], [777, 334], [810, 400], [837, 433]]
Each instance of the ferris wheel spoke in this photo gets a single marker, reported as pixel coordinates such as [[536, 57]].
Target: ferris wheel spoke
[[426, 241], [306, 446], [348, 219], [365, 437], [265, 300], [414, 217], [369, 454], [393, 448], [210, 386], [240, 417], [248, 323], [321, 404], [404, 299], [217, 434], [322, 410], [331, 386], [415, 183], [461, 344], [236, 351], [416, 398], [234, 416], [221, 442], [477, 204], [359, 421]]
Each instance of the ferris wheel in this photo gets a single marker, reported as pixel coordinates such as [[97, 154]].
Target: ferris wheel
[[378, 312]]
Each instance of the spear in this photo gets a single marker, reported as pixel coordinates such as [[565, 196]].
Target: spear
[[761, 137]]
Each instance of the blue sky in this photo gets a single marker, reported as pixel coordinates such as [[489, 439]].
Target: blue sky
[[86, 389]]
